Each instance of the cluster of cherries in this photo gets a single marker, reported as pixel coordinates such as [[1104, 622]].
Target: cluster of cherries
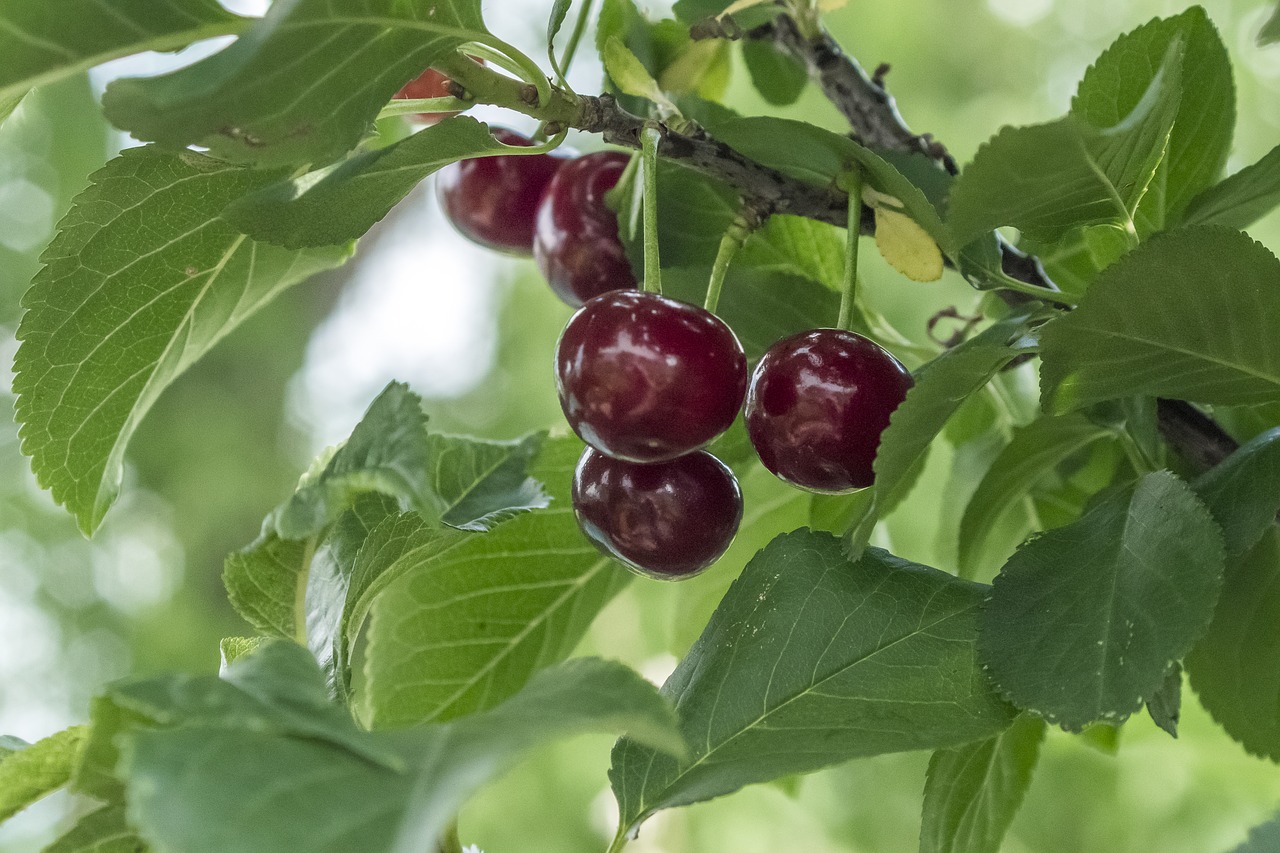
[[648, 382]]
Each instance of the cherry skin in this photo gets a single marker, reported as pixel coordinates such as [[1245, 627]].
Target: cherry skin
[[576, 242], [817, 405], [668, 520], [646, 378], [493, 201], [431, 84]]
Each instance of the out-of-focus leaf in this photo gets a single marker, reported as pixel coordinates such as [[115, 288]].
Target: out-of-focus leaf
[[30, 773], [1242, 199], [103, 831], [776, 76], [1243, 492], [1165, 707]]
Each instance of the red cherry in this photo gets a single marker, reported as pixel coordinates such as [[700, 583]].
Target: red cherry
[[493, 201], [667, 520], [431, 84], [646, 378], [576, 243], [817, 405]]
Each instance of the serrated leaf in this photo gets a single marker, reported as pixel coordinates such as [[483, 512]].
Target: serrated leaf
[[1048, 179], [353, 57], [1136, 578], [483, 483], [1235, 668], [1033, 450], [388, 452], [1243, 491], [1185, 315], [1201, 139], [262, 582], [30, 773], [777, 76], [972, 792], [142, 279], [1264, 838], [629, 74], [793, 245], [811, 660], [1165, 707], [46, 42], [461, 621], [247, 791], [232, 649], [1242, 199], [907, 247], [343, 201], [105, 830], [941, 387]]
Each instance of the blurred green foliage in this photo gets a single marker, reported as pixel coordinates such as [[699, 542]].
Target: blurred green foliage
[[221, 449]]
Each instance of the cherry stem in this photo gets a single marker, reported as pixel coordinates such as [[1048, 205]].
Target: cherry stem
[[649, 139], [734, 238], [851, 182]]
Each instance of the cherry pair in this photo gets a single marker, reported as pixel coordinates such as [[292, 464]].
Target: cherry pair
[[550, 206]]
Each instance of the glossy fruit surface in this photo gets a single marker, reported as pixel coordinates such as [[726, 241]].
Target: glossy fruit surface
[[817, 405], [576, 242], [646, 378], [668, 520], [493, 201]]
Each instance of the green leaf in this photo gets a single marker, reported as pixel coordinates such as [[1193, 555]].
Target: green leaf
[[776, 75], [1270, 32], [353, 57], [1243, 492], [793, 245], [103, 831], [811, 660], [559, 11], [278, 689], [253, 791], [972, 792], [1048, 179], [694, 211], [1235, 668], [262, 582], [1135, 579], [1165, 707], [1242, 199], [629, 74], [482, 483], [39, 769], [142, 279], [343, 201], [45, 42], [1201, 138], [461, 621], [941, 387], [387, 452], [1185, 315], [1034, 450], [1264, 838], [234, 648], [10, 744]]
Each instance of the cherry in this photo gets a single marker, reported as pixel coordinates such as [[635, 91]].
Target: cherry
[[576, 242], [646, 378], [493, 201], [667, 520], [817, 405], [431, 84]]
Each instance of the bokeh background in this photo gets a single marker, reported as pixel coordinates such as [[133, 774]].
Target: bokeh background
[[473, 333]]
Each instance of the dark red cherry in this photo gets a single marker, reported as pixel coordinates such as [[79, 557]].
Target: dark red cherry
[[668, 520], [493, 201], [817, 405], [576, 242], [646, 378]]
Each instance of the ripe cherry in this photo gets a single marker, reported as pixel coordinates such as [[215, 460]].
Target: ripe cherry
[[646, 378], [576, 243], [668, 520], [493, 201], [817, 405]]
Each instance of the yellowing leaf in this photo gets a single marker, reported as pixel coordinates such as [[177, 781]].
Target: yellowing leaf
[[907, 246]]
